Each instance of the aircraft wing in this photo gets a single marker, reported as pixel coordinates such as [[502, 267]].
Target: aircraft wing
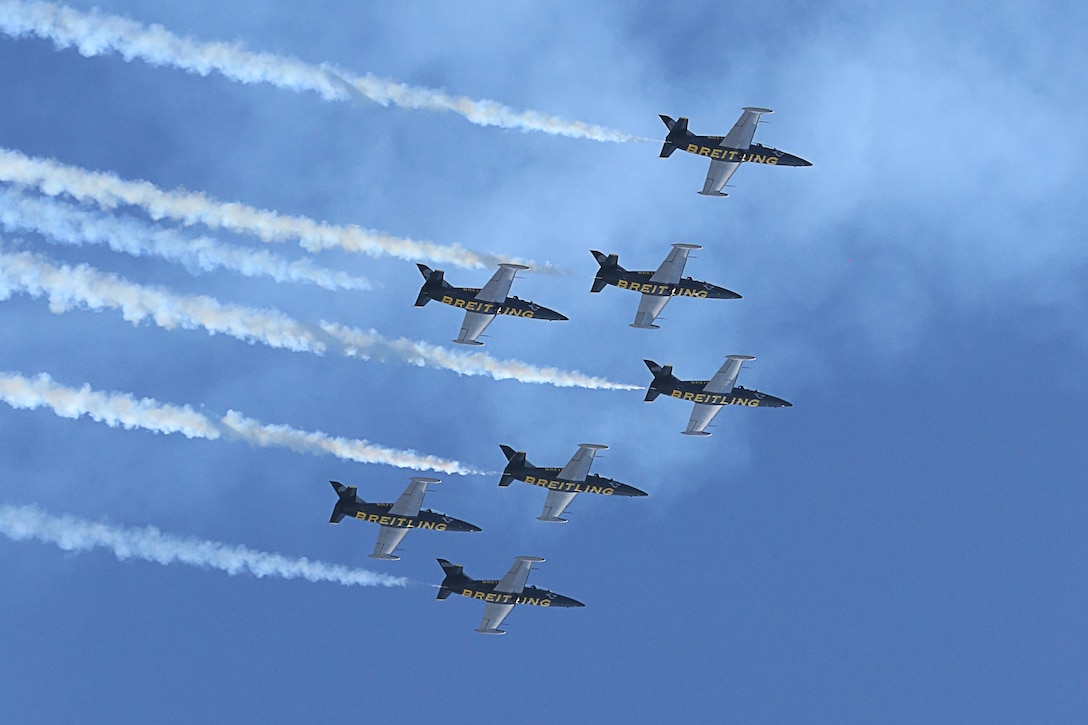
[[474, 324], [578, 467], [700, 418], [493, 616], [409, 502], [388, 540], [649, 307], [672, 268], [740, 136], [555, 505], [514, 581], [726, 378], [720, 173], [498, 286]]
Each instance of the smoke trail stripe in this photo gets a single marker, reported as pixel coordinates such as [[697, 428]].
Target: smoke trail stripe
[[95, 33], [108, 192], [20, 523], [68, 224], [122, 409]]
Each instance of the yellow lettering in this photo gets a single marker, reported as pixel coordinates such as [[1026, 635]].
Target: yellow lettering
[[704, 151], [472, 306], [360, 515], [772, 160], [478, 595], [447, 300], [676, 394], [492, 597], [732, 155], [692, 148], [689, 396], [700, 397], [545, 602], [385, 520], [754, 403], [716, 154], [439, 527], [372, 518], [701, 293], [426, 525], [608, 491], [466, 593], [758, 159]]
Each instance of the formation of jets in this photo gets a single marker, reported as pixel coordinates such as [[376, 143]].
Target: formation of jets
[[483, 305]]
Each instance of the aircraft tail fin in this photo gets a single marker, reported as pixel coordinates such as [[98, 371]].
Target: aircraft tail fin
[[608, 263], [453, 571], [661, 373], [678, 129], [347, 496], [515, 460], [435, 278]]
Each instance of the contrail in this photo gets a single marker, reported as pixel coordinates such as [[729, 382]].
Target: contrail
[[20, 523], [69, 224], [95, 33], [68, 286], [108, 192], [122, 409], [82, 285], [369, 344]]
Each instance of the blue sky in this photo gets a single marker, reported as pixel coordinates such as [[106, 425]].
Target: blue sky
[[905, 544]]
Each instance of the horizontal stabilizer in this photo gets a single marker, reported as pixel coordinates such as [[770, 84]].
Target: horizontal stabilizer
[[443, 593], [651, 395], [666, 150]]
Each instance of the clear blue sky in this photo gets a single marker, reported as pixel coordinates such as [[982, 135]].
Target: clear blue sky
[[906, 544]]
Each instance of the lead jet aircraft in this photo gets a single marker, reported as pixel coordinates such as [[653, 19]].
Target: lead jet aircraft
[[395, 518], [563, 484], [711, 395], [481, 305], [656, 287], [500, 596], [727, 152]]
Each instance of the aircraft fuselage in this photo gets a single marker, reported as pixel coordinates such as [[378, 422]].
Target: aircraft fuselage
[[693, 392], [710, 146], [686, 287], [464, 298], [484, 591], [549, 478], [378, 513]]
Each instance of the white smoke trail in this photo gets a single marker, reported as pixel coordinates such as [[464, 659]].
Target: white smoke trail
[[344, 448], [68, 286], [95, 33], [113, 409], [83, 285], [121, 409], [20, 523], [68, 224], [108, 192], [369, 344]]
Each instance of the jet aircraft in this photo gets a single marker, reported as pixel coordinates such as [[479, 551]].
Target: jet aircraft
[[711, 395], [563, 484], [395, 518], [727, 152], [500, 596], [656, 287], [481, 305]]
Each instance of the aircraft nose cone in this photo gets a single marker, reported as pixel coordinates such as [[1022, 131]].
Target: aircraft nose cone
[[473, 527]]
